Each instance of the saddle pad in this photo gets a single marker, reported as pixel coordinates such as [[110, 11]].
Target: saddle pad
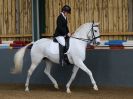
[[54, 48]]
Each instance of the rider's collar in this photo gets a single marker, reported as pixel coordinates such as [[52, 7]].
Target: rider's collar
[[64, 15]]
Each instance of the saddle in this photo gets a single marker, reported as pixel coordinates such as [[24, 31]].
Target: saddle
[[65, 49]]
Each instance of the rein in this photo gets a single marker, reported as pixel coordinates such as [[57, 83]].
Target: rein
[[86, 40], [82, 39]]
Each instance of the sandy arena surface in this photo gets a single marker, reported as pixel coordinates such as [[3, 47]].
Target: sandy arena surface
[[48, 92]]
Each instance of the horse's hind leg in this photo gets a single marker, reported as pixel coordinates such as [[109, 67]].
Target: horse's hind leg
[[33, 66], [47, 72]]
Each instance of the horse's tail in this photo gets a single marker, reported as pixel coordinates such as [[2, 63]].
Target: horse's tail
[[18, 59]]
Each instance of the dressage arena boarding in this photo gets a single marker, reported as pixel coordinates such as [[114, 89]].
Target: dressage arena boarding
[[24, 21]]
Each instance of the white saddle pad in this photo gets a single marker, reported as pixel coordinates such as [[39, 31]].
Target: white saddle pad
[[54, 48]]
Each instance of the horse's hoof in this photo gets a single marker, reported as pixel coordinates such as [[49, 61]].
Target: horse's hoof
[[95, 88], [27, 90], [56, 86], [69, 91]]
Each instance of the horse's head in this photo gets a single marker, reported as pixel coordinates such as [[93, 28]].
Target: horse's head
[[89, 32], [93, 33]]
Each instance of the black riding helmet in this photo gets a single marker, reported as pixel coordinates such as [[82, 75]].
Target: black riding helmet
[[67, 9]]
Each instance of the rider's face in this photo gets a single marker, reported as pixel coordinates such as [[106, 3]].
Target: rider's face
[[66, 14]]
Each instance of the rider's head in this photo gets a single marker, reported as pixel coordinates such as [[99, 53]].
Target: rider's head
[[66, 10]]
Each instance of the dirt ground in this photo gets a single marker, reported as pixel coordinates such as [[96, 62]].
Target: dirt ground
[[48, 92]]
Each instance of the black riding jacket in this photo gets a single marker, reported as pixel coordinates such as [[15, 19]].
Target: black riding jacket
[[62, 28]]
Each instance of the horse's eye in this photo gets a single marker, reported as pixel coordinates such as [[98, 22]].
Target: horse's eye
[[95, 30]]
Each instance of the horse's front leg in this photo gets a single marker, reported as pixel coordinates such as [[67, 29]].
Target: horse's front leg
[[81, 65], [74, 72]]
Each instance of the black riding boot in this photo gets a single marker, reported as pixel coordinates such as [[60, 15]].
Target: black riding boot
[[61, 49]]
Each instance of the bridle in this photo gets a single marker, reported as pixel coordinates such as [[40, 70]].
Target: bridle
[[93, 40]]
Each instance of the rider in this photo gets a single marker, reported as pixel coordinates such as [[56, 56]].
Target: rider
[[62, 30]]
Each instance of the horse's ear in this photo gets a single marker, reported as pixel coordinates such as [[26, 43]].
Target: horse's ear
[[97, 23]]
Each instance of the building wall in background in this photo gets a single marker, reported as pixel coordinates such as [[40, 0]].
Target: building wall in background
[[112, 15], [15, 18]]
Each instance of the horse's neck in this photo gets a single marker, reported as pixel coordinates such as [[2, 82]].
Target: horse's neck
[[77, 35], [82, 32]]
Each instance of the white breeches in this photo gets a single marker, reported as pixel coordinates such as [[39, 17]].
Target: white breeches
[[61, 40]]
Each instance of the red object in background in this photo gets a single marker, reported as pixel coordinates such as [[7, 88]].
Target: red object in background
[[90, 47], [117, 47], [0, 41], [16, 45], [21, 43], [18, 42]]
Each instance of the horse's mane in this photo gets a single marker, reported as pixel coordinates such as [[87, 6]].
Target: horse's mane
[[82, 28]]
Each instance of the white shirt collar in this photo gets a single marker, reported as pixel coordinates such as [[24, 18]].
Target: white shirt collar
[[63, 15]]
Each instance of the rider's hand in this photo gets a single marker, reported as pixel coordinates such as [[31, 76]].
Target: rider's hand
[[69, 34]]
